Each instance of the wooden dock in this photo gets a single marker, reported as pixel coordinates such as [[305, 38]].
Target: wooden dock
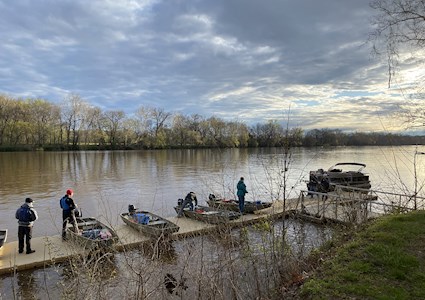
[[52, 250], [323, 208]]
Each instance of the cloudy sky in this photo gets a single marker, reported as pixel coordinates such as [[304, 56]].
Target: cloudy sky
[[245, 60]]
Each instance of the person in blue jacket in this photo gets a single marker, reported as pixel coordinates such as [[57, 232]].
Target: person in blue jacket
[[68, 212], [26, 216], [241, 194]]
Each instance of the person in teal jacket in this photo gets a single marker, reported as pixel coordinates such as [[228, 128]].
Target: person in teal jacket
[[241, 194]]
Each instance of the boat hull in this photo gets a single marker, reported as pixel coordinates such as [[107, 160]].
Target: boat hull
[[325, 181], [209, 215], [93, 234], [3, 237], [233, 205], [156, 226]]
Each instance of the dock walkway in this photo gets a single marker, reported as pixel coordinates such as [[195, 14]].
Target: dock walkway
[[342, 208], [51, 250]]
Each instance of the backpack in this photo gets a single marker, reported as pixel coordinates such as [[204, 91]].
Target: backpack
[[26, 215], [64, 205]]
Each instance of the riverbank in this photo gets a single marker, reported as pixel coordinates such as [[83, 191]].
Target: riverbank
[[384, 259]]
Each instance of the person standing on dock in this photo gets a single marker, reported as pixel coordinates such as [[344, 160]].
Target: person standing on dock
[[241, 194], [68, 212], [26, 216]]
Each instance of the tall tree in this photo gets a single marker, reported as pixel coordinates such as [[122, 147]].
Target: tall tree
[[180, 130], [113, 124], [75, 113], [154, 121], [42, 116], [6, 106]]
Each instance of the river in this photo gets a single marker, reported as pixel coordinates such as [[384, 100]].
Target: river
[[106, 182], [244, 263]]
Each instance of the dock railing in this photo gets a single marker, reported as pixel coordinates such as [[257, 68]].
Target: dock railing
[[355, 205]]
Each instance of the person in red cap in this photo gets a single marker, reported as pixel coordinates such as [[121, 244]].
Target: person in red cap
[[68, 212]]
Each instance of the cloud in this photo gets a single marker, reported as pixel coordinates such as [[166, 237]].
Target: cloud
[[235, 59]]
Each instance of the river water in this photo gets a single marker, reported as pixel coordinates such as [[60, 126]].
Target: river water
[[240, 264], [106, 182]]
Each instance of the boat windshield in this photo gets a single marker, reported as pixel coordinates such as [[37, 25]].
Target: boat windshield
[[339, 167]]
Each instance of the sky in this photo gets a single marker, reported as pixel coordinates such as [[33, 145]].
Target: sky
[[305, 62]]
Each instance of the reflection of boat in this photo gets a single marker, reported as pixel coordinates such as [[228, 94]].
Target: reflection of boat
[[250, 206], [92, 234], [3, 237], [149, 223], [209, 215], [325, 181]]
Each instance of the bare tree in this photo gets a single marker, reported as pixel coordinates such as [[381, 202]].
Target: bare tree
[[75, 113], [180, 130], [154, 121], [6, 106], [42, 116], [399, 26], [113, 124], [400, 35]]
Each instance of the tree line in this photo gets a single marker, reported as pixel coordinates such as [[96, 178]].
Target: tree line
[[29, 124]]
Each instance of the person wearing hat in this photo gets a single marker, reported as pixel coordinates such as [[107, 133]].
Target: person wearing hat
[[188, 200], [26, 216], [68, 212], [241, 194]]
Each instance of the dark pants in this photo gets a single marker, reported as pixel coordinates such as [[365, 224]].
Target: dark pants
[[185, 203], [241, 203], [68, 216], [24, 232]]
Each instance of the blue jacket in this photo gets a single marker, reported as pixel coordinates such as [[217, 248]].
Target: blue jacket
[[26, 223], [67, 203]]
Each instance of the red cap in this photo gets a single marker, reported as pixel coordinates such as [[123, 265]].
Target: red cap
[[69, 192]]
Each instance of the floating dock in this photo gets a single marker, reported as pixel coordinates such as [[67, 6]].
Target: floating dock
[[51, 250], [340, 208]]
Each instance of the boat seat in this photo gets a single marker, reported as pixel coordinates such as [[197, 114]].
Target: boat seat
[[159, 222], [88, 223]]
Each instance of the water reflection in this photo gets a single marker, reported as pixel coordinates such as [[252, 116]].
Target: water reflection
[[228, 238], [26, 285], [228, 263], [88, 277], [161, 249]]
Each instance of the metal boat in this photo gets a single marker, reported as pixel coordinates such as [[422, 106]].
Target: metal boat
[[325, 181], [92, 234], [209, 215], [233, 205], [149, 223]]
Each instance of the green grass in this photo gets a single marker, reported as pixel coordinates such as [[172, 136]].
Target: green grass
[[385, 260]]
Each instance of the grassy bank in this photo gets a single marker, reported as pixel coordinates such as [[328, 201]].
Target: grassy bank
[[384, 260]]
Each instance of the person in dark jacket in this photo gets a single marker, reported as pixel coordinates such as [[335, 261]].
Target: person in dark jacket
[[26, 216], [68, 212], [188, 200], [241, 194]]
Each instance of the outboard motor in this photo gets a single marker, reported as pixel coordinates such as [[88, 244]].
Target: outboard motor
[[131, 208], [212, 197], [179, 202]]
